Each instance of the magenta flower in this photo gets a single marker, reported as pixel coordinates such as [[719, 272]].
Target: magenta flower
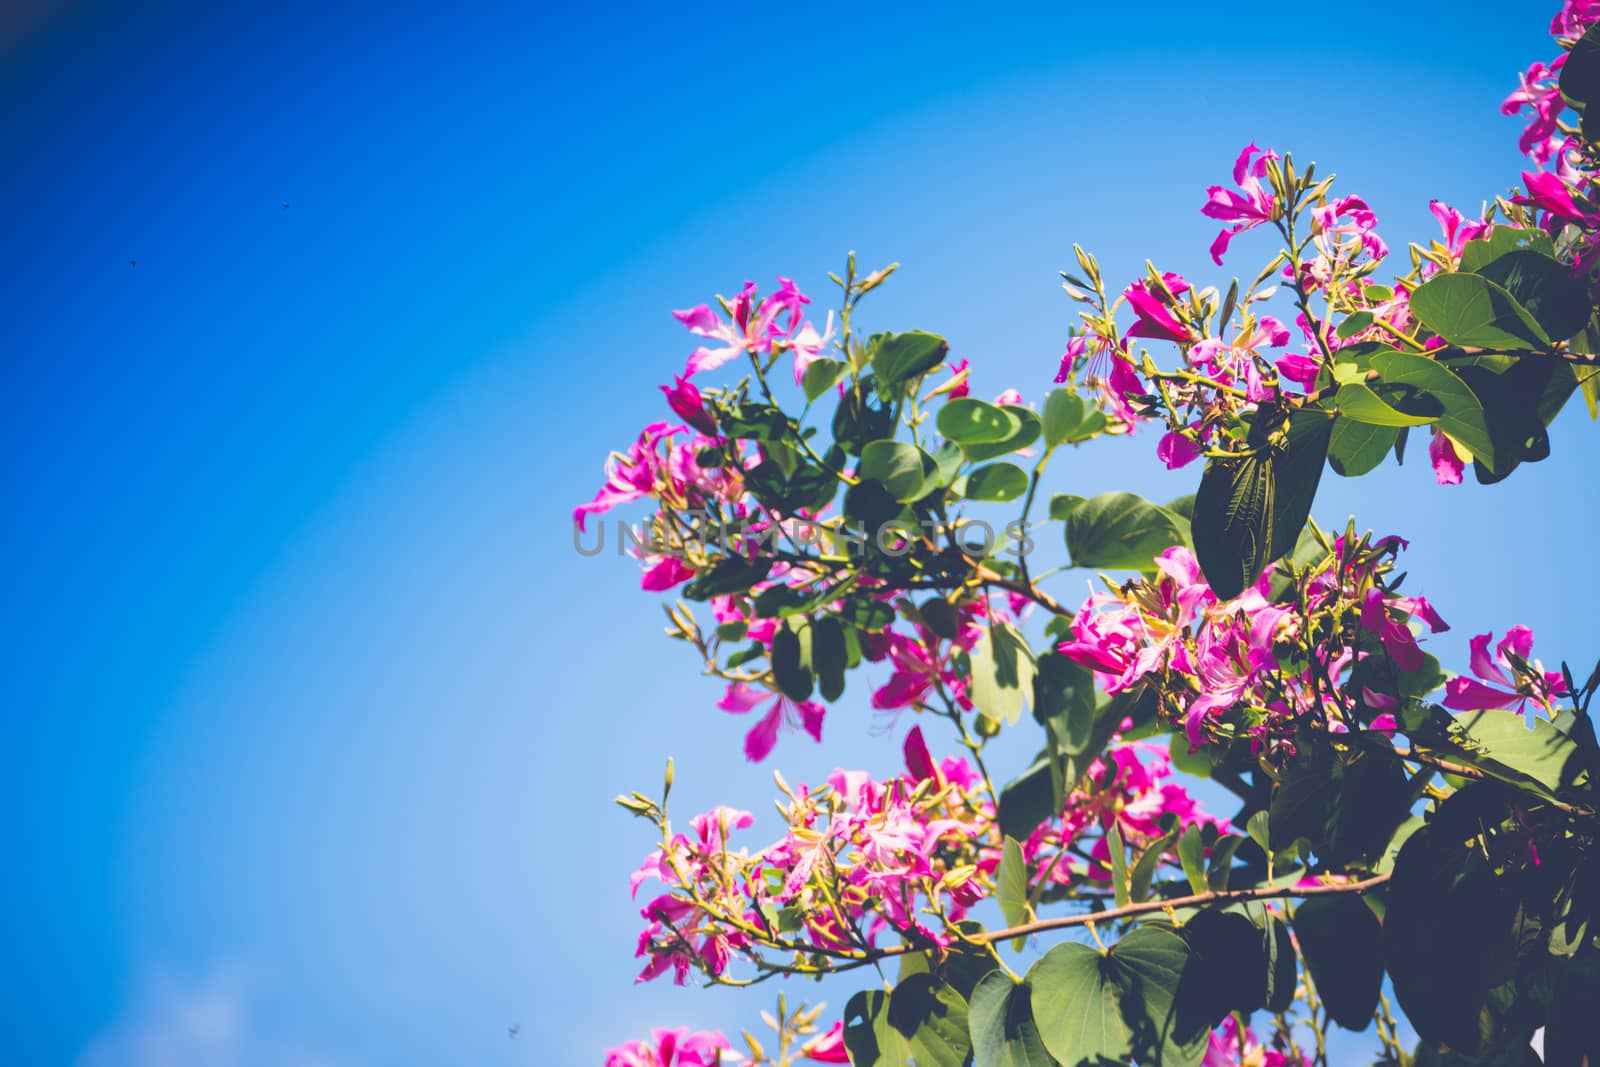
[[1549, 193], [1574, 18], [671, 1048], [957, 385], [1447, 463], [756, 325], [1396, 636], [1300, 368], [684, 399], [1522, 682], [1076, 346], [1540, 93], [828, 1047], [1156, 320], [670, 571], [1178, 449], [1458, 230], [630, 477], [1248, 208], [741, 698], [1239, 361]]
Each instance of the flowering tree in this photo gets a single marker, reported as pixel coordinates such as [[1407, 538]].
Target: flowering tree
[[842, 519]]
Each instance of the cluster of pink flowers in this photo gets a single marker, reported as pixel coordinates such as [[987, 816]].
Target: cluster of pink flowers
[[1563, 191], [859, 857], [1129, 789], [756, 325], [662, 465], [1232, 1045], [1210, 657], [708, 1048]]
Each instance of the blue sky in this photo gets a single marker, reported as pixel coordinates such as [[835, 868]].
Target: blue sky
[[314, 716]]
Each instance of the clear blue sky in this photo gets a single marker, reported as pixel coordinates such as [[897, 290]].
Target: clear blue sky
[[313, 717]]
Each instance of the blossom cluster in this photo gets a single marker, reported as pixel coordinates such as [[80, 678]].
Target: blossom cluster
[[859, 858], [1256, 665]]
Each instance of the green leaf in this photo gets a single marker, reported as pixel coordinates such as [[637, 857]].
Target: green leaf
[[1027, 432], [1557, 298], [1297, 471], [1227, 969], [1232, 522], [857, 421], [791, 658], [1356, 401], [1147, 968], [901, 468], [1002, 672], [732, 575], [1121, 531], [1063, 413], [828, 656], [1004, 1033], [997, 481], [1500, 742], [1357, 448], [1062, 505], [1028, 800], [1119, 866], [1354, 324], [1191, 854], [1219, 868], [1343, 946], [1144, 871], [924, 1020], [1463, 417], [1064, 693], [967, 421], [1580, 77], [900, 357], [1076, 1009], [823, 374], [1469, 310], [1011, 884], [1480, 252]]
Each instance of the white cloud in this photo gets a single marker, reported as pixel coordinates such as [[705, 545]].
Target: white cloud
[[169, 1022]]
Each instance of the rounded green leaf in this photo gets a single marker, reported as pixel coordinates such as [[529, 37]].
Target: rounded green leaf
[[902, 469], [967, 421], [1356, 401], [997, 481], [1027, 432], [1002, 672], [791, 656], [1463, 416], [1232, 525], [1075, 1007], [923, 1020], [828, 656], [1121, 531], [1466, 309], [1003, 1031], [1342, 942], [1063, 414], [899, 357]]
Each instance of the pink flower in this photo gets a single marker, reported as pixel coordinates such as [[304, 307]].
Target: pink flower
[[1302, 369], [958, 380], [1447, 464], [1156, 320], [1177, 449], [828, 1047], [1361, 224], [1574, 18], [1238, 361], [1535, 683], [1396, 636], [1549, 193], [807, 345], [630, 477], [1249, 208], [1076, 346], [1457, 229], [756, 325], [684, 399], [664, 575], [1541, 94], [670, 1048], [741, 698]]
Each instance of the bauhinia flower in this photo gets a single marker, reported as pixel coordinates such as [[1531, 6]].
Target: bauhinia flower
[[1511, 667], [741, 698], [1247, 208], [671, 1048]]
